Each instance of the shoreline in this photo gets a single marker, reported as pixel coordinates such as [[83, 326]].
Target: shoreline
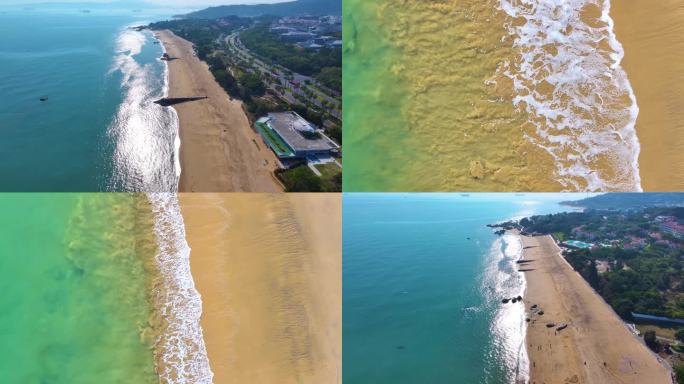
[[652, 39], [268, 268], [176, 141], [218, 151], [179, 348], [596, 346]]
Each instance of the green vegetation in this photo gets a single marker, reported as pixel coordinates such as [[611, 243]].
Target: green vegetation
[[302, 179], [651, 341], [679, 371], [290, 8], [202, 33], [646, 266], [331, 77], [679, 335], [323, 64], [335, 133], [331, 177]]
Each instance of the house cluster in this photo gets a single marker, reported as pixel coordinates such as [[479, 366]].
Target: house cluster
[[666, 225], [670, 225], [310, 32]]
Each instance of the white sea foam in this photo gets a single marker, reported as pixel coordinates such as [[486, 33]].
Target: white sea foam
[[567, 78], [508, 325], [176, 140], [145, 134], [182, 344]]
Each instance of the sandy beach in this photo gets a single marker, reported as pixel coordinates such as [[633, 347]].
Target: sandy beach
[[596, 347], [652, 35], [219, 150], [268, 267]]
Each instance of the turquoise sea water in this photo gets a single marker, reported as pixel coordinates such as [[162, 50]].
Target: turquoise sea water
[[98, 130], [422, 283], [96, 288], [73, 277]]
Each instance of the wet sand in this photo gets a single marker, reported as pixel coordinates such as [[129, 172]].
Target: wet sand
[[652, 35], [268, 267], [595, 334], [219, 150]]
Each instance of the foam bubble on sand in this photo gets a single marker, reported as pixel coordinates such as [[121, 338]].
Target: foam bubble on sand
[[184, 357], [567, 78]]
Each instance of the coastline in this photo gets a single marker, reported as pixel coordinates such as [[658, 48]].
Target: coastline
[[652, 40], [219, 151], [268, 268], [596, 346], [179, 349]]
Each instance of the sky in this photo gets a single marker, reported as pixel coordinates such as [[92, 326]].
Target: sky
[[161, 3]]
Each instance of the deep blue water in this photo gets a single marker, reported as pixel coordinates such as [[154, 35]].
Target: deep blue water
[[99, 130], [422, 283]]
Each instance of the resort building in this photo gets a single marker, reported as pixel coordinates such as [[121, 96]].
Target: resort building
[[673, 227], [294, 36], [291, 137], [577, 244]]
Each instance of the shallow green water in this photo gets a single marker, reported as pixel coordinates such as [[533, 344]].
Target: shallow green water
[[373, 100], [74, 305]]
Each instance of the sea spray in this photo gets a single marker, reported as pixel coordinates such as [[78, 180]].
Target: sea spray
[[568, 80], [145, 134], [180, 348]]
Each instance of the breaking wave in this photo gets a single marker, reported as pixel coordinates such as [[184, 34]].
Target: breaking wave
[[567, 78], [508, 326], [145, 134], [181, 352]]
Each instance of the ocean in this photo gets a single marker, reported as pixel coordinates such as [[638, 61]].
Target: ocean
[[423, 279], [98, 130], [97, 288], [492, 95]]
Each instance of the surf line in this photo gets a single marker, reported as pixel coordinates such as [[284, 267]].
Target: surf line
[[180, 349]]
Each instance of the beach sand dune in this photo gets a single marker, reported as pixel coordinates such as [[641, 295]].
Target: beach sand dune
[[219, 150], [652, 35], [596, 347], [268, 267]]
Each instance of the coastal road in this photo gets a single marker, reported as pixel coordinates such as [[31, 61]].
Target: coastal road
[[320, 91]]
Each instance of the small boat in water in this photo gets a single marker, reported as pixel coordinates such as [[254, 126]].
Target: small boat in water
[[44, 98]]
